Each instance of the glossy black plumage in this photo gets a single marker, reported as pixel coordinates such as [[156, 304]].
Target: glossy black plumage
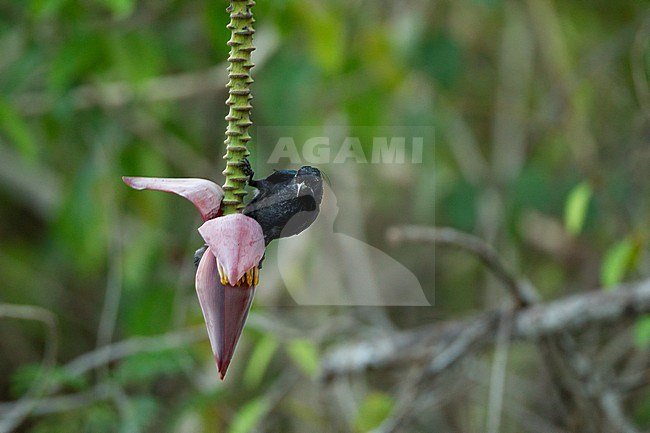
[[286, 202]]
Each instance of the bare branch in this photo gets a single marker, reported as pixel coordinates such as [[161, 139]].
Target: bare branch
[[569, 314], [132, 346], [22, 408], [610, 403], [65, 403], [498, 375], [87, 362], [166, 88], [117, 94], [522, 293], [550, 323]]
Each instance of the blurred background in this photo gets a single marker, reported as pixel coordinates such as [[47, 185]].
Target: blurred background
[[541, 113]]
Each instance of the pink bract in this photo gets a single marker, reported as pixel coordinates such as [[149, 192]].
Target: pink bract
[[236, 247], [205, 195], [237, 241]]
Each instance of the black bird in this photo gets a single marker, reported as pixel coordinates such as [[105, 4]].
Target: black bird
[[286, 202]]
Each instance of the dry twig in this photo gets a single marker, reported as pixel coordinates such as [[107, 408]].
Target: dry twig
[[20, 409], [522, 293], [569, 314]]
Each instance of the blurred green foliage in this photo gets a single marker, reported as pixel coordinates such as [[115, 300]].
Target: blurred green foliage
[[541, 117], [373, 411]]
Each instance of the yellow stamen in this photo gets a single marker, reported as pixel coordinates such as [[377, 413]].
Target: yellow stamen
[[250, 278], [222, 274]]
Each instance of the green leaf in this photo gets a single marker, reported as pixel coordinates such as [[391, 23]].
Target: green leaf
[[642, 411], [488, 3], [81, 56], [576, 207], [100, 418], [81, 226], [145, 367], [325, 40], [618, 260], [17, 131], [46, 8], [148, 308], [260, 360], [136, 56], [440, 55], [327, 43], [20, 70], [374, 410], [305, 355], [23, 378], [642, 332], [144, 249], [140, 415], [249, 416], [120, 8], [460, 205]]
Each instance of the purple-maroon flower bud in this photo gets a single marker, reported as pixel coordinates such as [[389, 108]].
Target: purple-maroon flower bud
[[225, 308], [229, 269]]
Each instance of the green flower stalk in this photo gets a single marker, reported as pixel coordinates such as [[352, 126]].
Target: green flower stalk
[[229, 263], [237, 136]]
